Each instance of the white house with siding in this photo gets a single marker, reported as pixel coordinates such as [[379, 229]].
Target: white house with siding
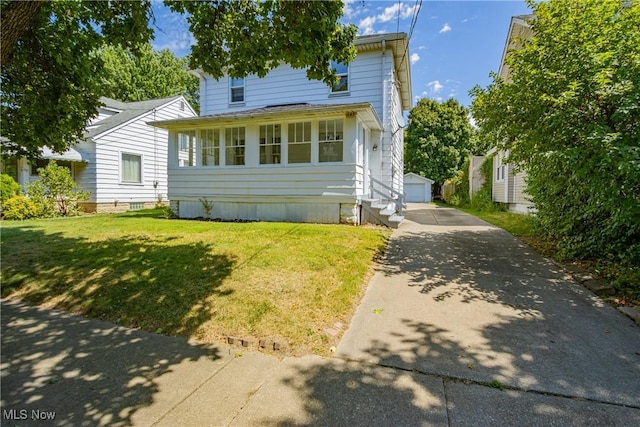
[[284, 148], [122, 161], [509, 183]]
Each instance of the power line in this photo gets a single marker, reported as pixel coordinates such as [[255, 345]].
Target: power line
[[414, 20]]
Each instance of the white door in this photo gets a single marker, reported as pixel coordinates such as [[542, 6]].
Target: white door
[[415, 193]]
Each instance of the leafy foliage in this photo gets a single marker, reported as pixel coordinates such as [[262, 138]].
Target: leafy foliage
[[570, 116], [438, 139], [52, 79], [56, 189], [19, 208], [146, 74], [8, 187]]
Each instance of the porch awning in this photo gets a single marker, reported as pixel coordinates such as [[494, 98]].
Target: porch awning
[[71, 155]]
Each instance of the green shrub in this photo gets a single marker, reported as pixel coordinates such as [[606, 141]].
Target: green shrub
[[8, 187], [19, 208], [56, 193]]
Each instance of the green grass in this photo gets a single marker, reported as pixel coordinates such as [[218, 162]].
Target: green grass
[[204, 280]]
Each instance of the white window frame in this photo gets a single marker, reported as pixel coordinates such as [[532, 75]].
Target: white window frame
[[330, 137], [237, 86], [230, 146], [271, 138], [294, 139], [332, 89], [213, 151], [500, 170], [141, 157], [190, 149]]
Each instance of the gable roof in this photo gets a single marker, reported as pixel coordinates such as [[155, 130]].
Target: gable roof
[[365, 109], [418, 177], [519, 29], [128, 112]]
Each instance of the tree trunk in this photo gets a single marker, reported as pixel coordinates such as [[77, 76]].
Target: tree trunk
[[16, 18]]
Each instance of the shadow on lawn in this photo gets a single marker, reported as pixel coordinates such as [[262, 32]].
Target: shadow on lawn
[[467, 302], [150, 283]]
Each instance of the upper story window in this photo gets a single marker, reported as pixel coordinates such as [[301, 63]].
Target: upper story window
[[236, 89], [187, 148], [210, 147], [234, 145], [330, 140], [342, 77], [270, 144], [300, 142]]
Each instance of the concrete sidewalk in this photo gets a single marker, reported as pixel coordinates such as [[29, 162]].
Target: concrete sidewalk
[[457, 305]]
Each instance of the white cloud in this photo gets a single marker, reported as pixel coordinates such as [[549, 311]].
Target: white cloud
[[390, 13], [414, 58], [472, 122], [445, 28], [422, 47], [435, 86]]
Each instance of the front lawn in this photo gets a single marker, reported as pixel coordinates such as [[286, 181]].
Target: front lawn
[[205, 280]]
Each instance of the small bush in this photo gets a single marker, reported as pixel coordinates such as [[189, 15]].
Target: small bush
[[8, 187], [56, 193], [19, 208]]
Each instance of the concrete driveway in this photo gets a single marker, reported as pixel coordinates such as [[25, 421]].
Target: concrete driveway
[[458, 310], [464, 300]]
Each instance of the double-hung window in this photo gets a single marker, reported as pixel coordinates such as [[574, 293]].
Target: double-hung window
[[342, 77], [187, 148], [300, 142], [131, 168], [236, 90], [234, 145], [210, 147], [270, 144], [330, 140]]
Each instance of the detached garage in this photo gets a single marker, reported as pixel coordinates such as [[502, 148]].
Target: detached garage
[[417, 188]]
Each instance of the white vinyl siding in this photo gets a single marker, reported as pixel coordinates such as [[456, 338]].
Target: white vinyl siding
[[101, 175], [288, 85]]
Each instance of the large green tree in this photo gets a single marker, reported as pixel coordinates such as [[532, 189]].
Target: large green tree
[[438, 139], [51, 71], [570, 115], [146, 74]]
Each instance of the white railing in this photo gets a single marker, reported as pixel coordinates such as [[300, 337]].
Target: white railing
[[390, 194]]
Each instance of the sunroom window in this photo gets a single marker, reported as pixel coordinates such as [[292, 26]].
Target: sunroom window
[[270, 144], [300, 142], [330, 140], [210, 147], [234, 146], [187, 148]]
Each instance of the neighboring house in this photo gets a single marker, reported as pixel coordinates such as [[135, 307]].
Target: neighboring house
[[122, 161], [284, 148], [417, 188], [508, 184]]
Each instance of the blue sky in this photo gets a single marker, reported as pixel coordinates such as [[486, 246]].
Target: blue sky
[[454, 45]]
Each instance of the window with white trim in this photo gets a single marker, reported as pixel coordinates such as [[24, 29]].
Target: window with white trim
[[330, 140], [500, 170], [210, 145], [299, 142], [270, 144], [234, 145], [342, 77], [131, 168], [236, 89], [187, 148]]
